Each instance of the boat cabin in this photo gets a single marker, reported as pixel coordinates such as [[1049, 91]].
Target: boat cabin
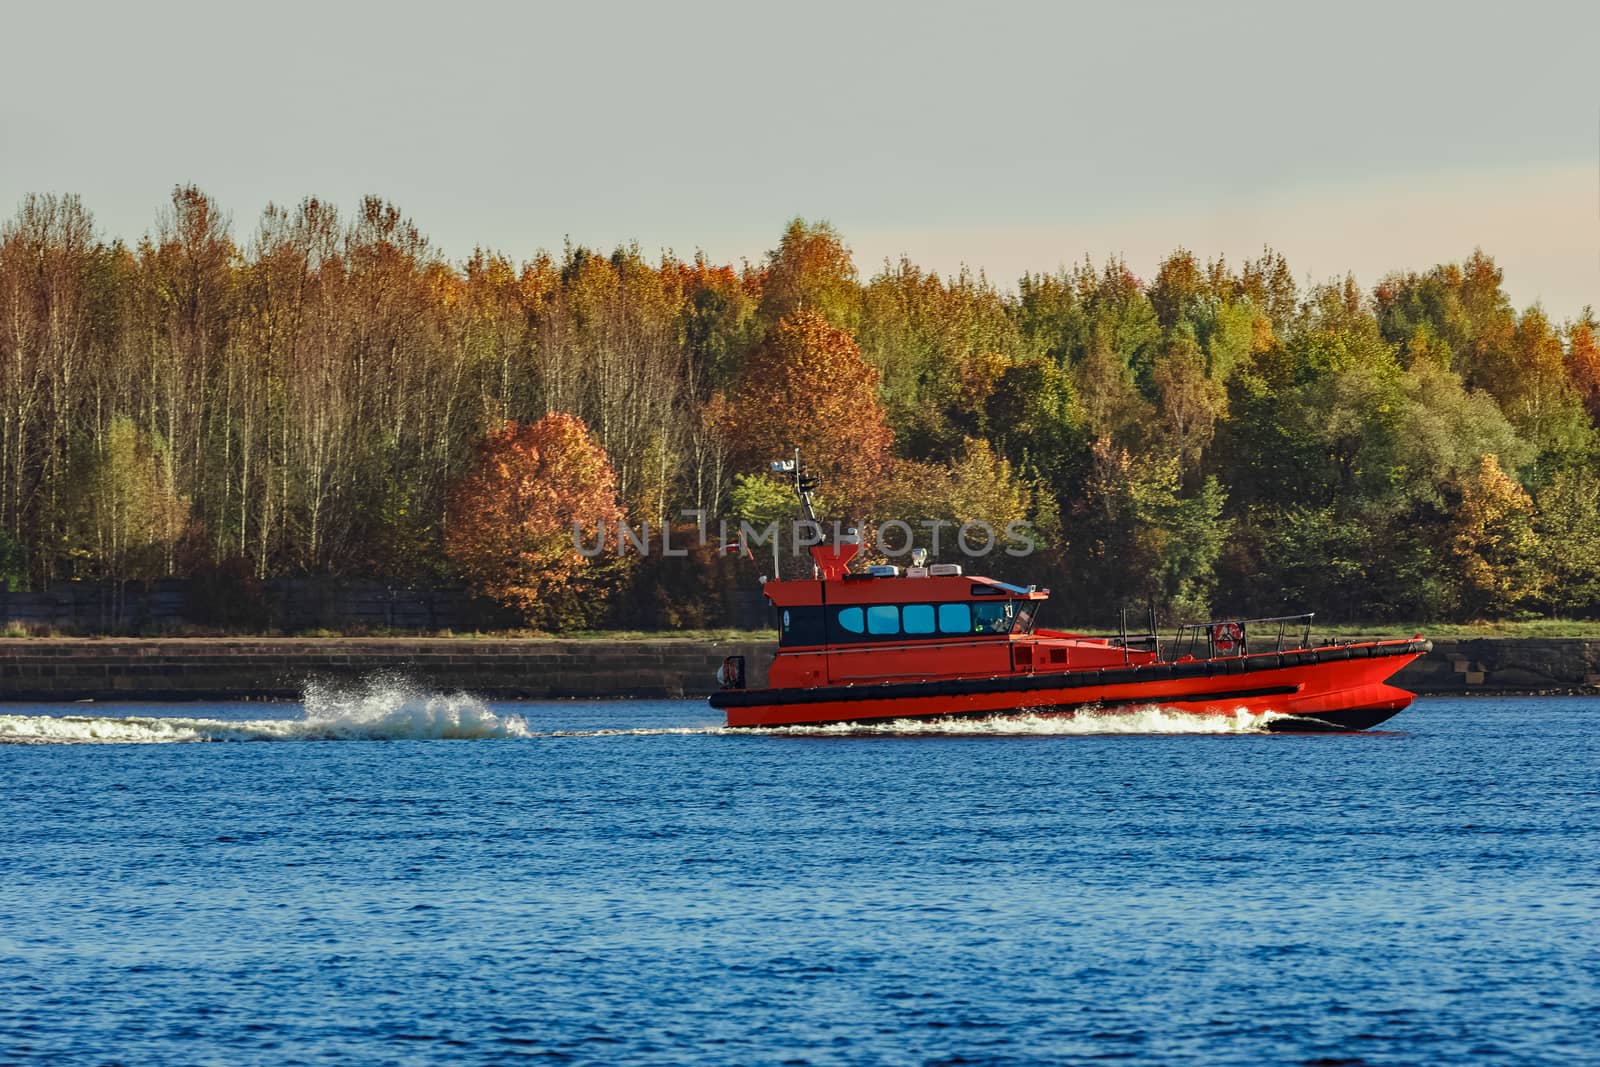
[[887, 624]]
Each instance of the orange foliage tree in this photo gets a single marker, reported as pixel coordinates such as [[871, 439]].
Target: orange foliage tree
[[807, 386], [1583, 364], [511, 516]]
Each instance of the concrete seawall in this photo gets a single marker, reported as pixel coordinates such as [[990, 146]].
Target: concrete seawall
[[1505, 665], [279, 668]]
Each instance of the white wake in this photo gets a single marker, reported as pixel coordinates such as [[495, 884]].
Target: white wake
[[381, 710], [1086, 722], [387, 709]]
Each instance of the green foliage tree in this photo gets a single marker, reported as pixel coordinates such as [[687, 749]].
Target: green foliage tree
[[811, 270], [314, 389], [1237, 331], [765, 499], [1135, 538], [1444, 431], [1191, 401], [13, 563], [931, 340], [1031, 413], [1567, 536], [1050, 314], [1113, 408], [719, 324]]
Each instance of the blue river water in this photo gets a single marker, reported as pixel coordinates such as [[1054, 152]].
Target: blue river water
[[398, 877]]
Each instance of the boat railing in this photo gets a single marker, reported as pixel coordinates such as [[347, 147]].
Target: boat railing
[[1220, 638], [1130, 643], [1217, 638]]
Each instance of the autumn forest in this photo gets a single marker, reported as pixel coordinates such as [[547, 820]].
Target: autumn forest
[[324, 393]]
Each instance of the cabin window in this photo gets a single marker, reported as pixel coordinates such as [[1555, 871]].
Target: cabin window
[[801, 626], [850, 620], [955, 619], [992, 618], [917, 618], [883, 619]]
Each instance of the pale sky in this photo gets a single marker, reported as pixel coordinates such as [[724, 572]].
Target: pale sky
[[1007, 136]]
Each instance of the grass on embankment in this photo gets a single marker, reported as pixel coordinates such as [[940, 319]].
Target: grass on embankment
[[1542, 628], [1530, 628], [40, 632], [651, 635]]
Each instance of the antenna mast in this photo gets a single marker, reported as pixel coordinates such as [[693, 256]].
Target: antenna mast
[[805, 483]]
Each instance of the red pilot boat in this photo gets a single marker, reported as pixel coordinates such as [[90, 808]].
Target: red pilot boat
[[934, 643]]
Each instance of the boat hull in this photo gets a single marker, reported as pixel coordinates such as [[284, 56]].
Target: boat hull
[[1337, 688]]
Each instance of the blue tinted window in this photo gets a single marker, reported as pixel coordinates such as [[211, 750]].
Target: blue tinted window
[[850, 619], [955, 619], [917, 618], [883, 619]]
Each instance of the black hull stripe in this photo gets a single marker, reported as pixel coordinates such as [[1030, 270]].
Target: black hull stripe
[[1344, 720], [1025, 683]]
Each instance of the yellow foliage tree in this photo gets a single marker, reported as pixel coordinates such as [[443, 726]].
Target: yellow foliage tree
[[130, 515], [1493, 543], [980, 488]]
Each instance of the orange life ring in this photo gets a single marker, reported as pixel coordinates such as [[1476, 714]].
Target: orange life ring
[[1227, 637]]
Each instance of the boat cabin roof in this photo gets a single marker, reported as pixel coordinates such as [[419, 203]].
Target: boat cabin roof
[[895, 589]]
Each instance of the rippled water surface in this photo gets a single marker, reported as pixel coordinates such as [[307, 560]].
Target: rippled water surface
[[412, 879]]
